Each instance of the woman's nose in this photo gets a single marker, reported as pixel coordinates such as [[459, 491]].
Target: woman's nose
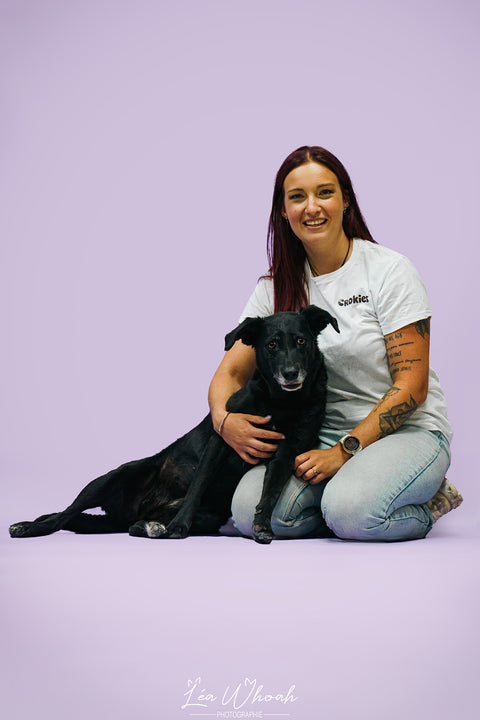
[[312, 203]]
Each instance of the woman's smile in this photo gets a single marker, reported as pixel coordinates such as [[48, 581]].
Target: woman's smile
[[315, 223]]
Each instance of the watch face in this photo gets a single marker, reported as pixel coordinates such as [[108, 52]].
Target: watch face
[[351, 444]]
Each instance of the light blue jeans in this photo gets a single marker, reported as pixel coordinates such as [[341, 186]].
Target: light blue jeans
[[379, 494]]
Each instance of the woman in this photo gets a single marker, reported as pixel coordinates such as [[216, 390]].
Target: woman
[[378, 471]]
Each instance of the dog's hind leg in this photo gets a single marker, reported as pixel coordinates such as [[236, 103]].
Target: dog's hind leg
[[92, 495], [35, 528], [83, 523], [86, 524]]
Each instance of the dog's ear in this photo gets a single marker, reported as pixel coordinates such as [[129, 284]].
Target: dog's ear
[[247, 332], [318, 319]]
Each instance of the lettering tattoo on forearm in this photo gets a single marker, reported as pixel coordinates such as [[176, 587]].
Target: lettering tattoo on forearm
[[392, 419]]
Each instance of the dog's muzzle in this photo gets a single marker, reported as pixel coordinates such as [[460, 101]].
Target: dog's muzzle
[[291, 381], [291, 387]]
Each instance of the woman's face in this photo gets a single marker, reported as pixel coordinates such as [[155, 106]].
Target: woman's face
[[314, 204]]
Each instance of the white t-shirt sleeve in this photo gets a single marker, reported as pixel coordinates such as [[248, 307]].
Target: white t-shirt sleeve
[[402, 297], [260, 303]]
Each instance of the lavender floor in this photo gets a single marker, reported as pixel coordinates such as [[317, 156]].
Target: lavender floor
[[117, 627]]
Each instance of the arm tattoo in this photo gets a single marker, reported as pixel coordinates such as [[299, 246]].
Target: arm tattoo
[[395, 417], [390, 393], [398, 347], [423, 327]]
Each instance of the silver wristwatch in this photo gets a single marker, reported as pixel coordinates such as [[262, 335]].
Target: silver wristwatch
[[351, 444]]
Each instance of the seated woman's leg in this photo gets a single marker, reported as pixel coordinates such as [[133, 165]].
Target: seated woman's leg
[[380, 494], [296, 514]]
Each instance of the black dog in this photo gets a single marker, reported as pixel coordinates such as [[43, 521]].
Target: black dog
[[187, 488]]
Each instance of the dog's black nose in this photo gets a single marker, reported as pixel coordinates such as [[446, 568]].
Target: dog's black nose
[[290, 374]]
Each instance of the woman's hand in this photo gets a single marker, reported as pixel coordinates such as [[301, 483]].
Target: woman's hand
[[317, 465], [253, 444]]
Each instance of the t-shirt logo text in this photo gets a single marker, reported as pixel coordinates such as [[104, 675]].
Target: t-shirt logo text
[[353, 300]]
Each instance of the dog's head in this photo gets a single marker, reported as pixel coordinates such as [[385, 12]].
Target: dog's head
[[285, 344]]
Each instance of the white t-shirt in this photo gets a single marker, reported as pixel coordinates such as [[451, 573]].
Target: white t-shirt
[[376, 292]]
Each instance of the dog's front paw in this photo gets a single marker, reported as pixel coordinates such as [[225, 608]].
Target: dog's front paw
[[262, 534], [150, 529], [178, 531]]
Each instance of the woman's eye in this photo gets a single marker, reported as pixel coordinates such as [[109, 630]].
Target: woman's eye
[[326, 192], [300, 341]]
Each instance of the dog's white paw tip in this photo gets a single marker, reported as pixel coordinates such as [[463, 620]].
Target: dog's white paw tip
[[18, 529], [155, 529]]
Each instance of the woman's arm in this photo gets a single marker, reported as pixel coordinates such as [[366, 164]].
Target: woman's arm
[[408, 361], [239, 430]]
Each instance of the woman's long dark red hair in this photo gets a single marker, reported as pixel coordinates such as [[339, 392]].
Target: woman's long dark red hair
[[286, 254]]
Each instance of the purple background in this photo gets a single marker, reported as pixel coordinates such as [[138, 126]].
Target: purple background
[[139, 143]]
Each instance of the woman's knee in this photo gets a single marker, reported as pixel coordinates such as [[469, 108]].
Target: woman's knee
[[347, 514], [246, 498], [363, 514], [296, 513]]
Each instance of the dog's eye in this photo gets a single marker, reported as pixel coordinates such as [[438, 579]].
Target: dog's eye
[[301, 341], [272, 344]]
